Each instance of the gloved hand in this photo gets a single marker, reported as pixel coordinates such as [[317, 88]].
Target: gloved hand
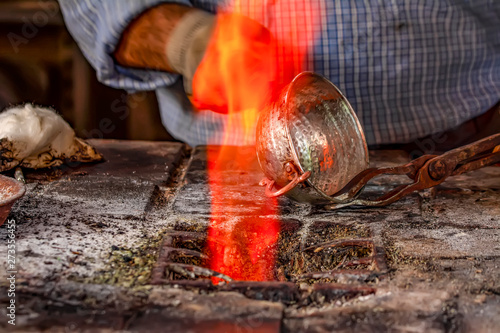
[[223, 60], [188, 42]]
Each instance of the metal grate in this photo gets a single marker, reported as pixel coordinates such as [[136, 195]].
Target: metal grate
[[321, 267]]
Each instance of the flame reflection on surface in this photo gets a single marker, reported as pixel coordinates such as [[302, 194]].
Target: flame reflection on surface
[[241, 243], [254, 64]]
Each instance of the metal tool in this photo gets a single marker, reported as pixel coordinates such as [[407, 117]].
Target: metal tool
[[426, 171], [311, 147]]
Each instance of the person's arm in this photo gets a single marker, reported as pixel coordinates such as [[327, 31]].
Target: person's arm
[[190, 42], [169, 37], [143, 43], [138, 45], [98, 25]]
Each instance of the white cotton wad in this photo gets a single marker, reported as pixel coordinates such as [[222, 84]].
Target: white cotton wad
[[36, 137]]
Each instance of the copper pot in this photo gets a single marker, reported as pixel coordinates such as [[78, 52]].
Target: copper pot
[[310, 143], [10, 191]]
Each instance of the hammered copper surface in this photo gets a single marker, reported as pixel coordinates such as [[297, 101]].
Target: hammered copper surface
[[313, 126], [325, 133], [273, 146]]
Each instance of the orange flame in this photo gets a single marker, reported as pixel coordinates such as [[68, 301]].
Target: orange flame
[[241, 245], [251, 64]]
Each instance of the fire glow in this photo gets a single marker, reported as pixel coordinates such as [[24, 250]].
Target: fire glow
[[254, 65]]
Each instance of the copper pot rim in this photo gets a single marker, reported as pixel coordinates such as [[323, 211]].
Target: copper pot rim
[[295, 157]]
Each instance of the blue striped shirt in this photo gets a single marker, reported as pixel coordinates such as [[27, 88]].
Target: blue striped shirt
[[409, 68]]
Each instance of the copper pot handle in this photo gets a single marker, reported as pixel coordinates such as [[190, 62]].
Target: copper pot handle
[[297, 179]]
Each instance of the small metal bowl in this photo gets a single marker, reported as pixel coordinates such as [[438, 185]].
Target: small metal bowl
[[10, 191], [310, 143]]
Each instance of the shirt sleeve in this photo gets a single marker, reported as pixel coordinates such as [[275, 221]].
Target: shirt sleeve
[[97, 25]]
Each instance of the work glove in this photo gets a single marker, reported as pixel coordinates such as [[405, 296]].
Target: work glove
[[188, 42], [222, 60]]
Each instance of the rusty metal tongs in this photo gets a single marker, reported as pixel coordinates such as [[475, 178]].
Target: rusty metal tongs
[[426, 171]]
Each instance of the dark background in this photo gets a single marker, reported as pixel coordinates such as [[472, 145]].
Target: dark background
[[40, 63]]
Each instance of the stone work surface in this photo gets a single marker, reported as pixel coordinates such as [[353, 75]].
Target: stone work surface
[[88, 237]]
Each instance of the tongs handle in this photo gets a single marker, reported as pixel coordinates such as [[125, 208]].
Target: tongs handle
[[475, 155], [360, 180], [426, 171], [295, 179], [463, 159]]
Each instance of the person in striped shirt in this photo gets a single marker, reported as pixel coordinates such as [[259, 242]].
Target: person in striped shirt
[[412, 70]]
